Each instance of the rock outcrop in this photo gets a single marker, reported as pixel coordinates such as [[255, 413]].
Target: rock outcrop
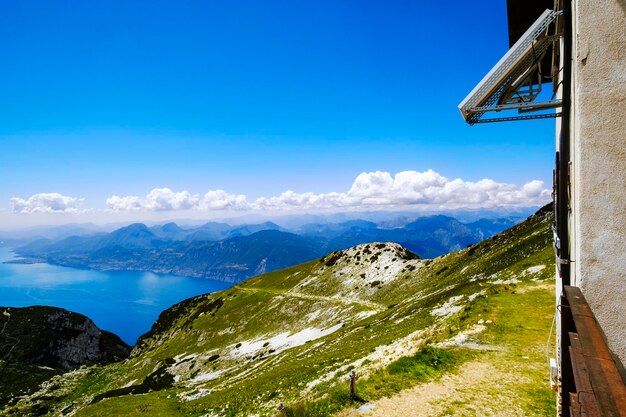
[[38, 342], [56, 338]]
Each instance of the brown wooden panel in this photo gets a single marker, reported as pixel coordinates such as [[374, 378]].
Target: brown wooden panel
[[586, 400], [579, 368], [608, 387]]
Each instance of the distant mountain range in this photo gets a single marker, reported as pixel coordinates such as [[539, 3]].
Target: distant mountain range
[[288, 340], [234, 253]]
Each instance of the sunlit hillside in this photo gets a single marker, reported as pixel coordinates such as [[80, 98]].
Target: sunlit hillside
[[461, 334]]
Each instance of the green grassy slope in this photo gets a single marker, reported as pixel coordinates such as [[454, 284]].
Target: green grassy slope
[[292, 336]]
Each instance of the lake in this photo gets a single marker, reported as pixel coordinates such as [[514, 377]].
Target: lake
[[124, 302]]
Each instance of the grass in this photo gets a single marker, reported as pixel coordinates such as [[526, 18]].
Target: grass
[[427, 364], [153, 405], [516, 341], [293, 299], [523, 327]]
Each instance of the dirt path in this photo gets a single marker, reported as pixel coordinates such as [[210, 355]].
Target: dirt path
[[511, 381], [478, 389]]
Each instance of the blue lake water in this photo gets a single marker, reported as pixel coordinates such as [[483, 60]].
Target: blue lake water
[[123, 302]]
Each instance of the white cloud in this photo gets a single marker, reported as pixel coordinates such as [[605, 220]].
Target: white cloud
[[370, 191], [128, 203], [164, 199], [47, 203], [221, 200]]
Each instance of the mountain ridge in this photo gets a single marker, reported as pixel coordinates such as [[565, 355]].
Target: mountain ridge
[[291, 336], [174, 250]]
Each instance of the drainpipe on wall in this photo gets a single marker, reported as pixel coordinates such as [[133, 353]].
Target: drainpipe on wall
[[562, 212]]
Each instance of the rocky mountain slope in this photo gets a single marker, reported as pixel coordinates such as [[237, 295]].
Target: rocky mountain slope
[[288, 339], [38, 342]]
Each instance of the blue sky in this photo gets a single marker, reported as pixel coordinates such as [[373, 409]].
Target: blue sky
[[102, 99]]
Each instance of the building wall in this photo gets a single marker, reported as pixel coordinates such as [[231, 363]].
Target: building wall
[[598, 171]]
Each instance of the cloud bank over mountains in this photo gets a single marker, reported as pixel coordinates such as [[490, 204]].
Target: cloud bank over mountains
[[47, 203], [370, 191], [164, 199]]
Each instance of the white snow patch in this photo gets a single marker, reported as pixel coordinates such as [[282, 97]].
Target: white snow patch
[[364, 314], [193, 395], [464, 269], [285, 340], [184, 357], [475, 295], [534, 269], [448, 308], [208, 376], [307, 281], [477, 277], [312, 316], [506, 281], [129, 383]]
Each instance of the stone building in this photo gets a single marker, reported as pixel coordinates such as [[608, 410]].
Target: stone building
[[579, 47]]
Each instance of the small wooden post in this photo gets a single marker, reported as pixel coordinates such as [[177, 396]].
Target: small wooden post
[[352, 385]]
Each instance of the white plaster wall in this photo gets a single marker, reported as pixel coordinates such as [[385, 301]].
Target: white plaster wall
[[599, 164]]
